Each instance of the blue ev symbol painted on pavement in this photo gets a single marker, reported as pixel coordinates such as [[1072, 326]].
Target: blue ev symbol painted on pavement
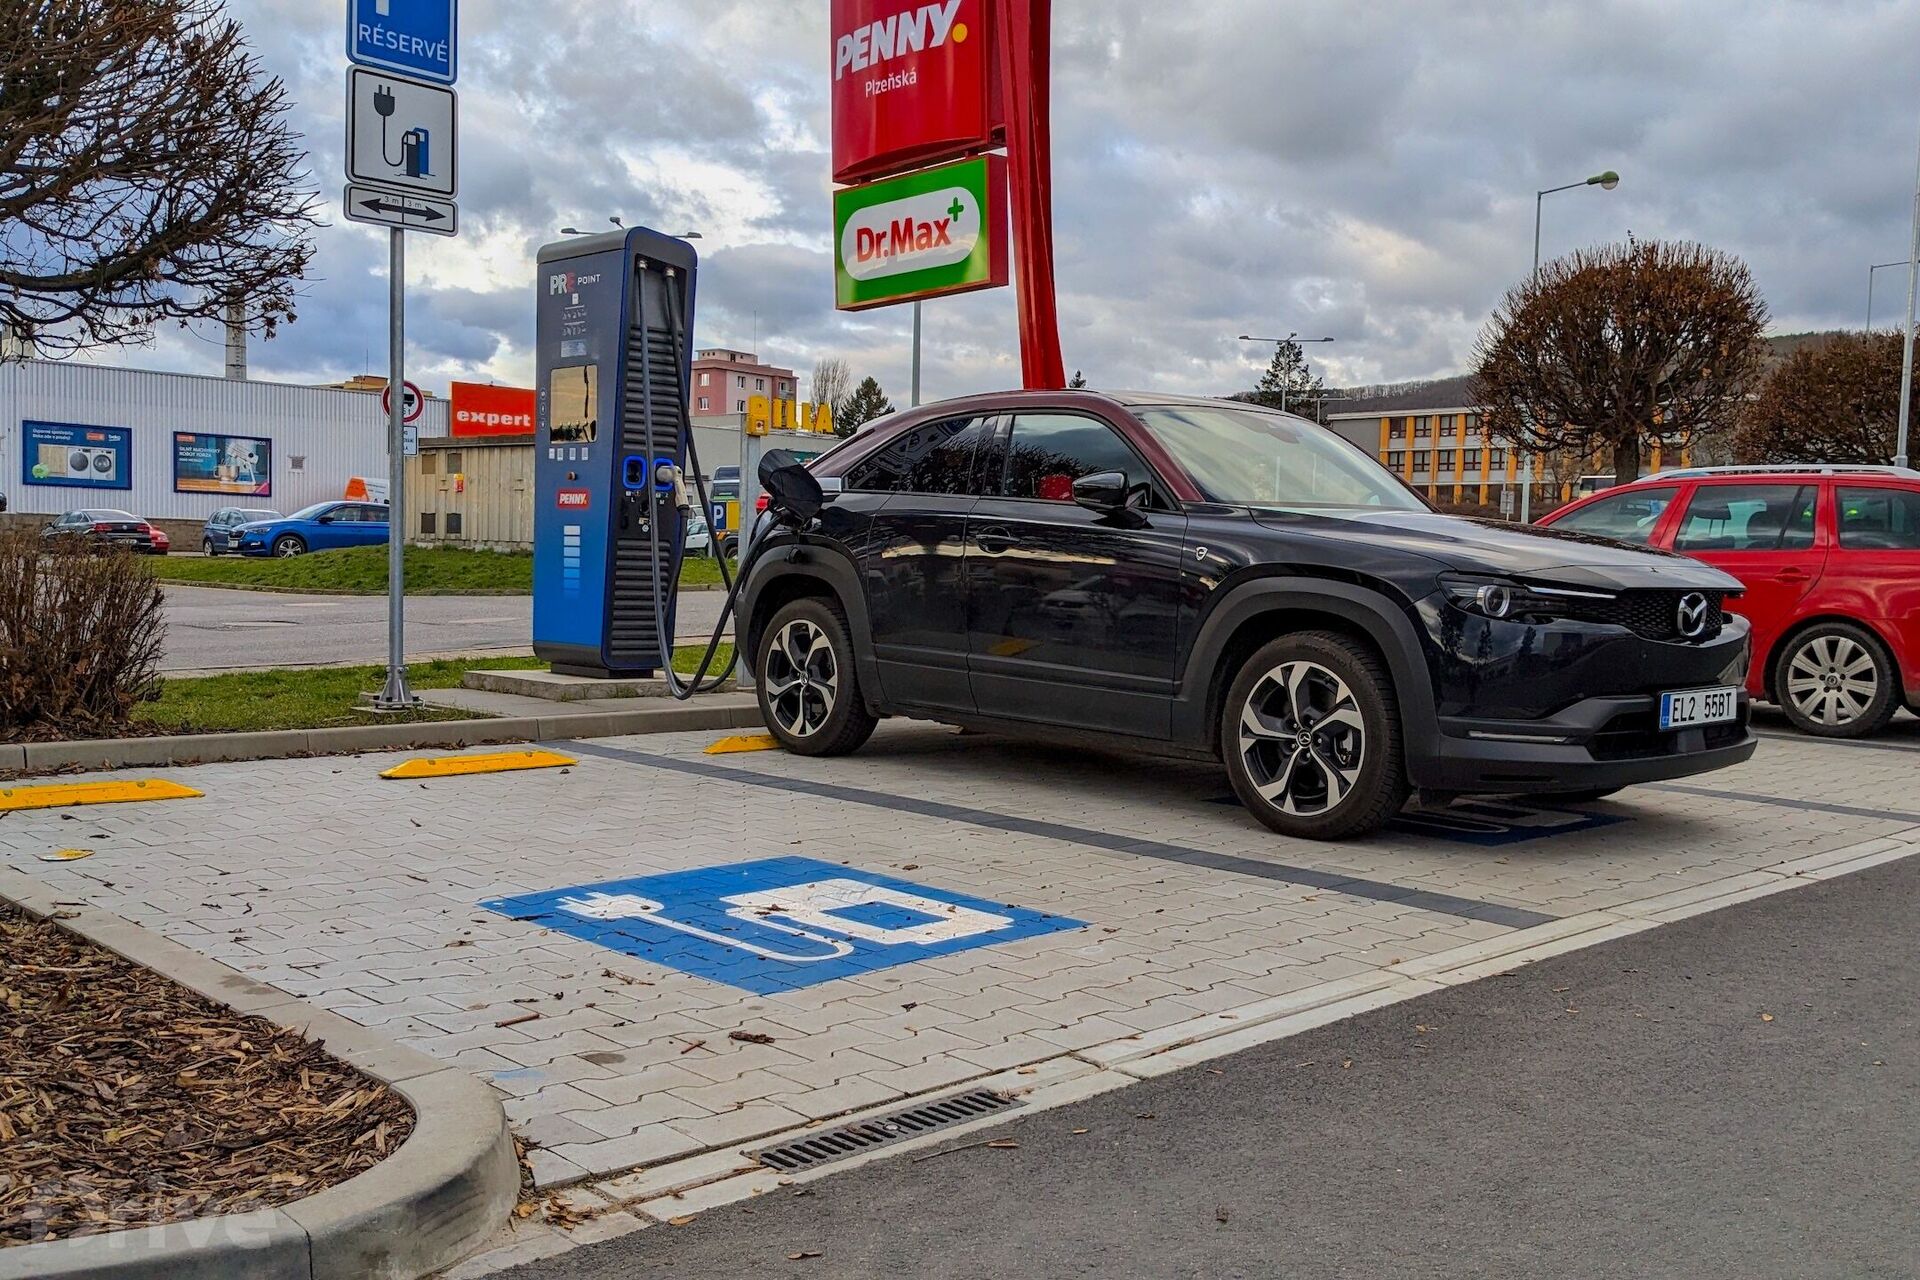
[[779, 924]]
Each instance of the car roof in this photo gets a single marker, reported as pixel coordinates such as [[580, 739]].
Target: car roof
[[1749, 475]]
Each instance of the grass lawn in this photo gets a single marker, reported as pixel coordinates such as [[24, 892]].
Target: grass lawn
[[431, 571], [324, 697]]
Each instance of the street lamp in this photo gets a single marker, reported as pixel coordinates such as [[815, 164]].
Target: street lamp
[[575, 231], [1906, 359], [1878, 266], [1606, 181], [1277, 342]]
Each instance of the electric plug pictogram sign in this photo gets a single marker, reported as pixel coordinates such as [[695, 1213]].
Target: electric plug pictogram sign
[[402, 134]]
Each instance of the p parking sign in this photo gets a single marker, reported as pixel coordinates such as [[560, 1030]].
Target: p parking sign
[[779, 924]]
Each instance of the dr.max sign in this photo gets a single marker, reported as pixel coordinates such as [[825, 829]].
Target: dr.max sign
[[922, 235]]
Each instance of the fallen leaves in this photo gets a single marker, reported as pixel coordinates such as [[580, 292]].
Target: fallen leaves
[[66, 855], [1766, 1017], [803, 1255], [125, 1099], [750, 1037]]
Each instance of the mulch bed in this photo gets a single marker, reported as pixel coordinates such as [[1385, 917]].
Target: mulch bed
[[127, 1100]]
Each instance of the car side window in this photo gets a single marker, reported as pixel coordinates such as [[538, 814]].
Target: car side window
[[1748, 517], [1049, 451], [1879, 519], [1631, 515], [934, 457]]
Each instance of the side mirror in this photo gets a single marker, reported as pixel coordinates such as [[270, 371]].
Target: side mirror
[[1103, 491], [794, 495], [326, 519]]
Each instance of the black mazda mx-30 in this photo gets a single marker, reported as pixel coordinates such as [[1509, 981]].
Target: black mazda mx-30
[[1215, 579]]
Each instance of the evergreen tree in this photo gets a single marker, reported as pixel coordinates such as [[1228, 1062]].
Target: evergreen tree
[[1289, 383], [1078, 382], [866, 403]]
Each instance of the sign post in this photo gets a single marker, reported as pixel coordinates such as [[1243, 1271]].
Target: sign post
[[402, 163]]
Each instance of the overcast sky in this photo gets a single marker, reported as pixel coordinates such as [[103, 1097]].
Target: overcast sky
[[1362, 169]]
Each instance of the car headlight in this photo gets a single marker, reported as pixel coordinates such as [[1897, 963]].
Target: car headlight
[[1509, 600]]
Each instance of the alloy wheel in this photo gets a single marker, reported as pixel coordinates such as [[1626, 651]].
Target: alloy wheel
[[802, 678], [1833, 680], [1302, 739]]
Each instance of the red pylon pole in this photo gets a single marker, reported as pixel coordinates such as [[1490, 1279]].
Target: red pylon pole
[[1024, 33]]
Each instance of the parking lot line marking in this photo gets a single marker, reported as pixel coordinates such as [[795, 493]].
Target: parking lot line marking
[[744, 742], [459, 766], [1788, 802], [1305, 877], [60, 795]]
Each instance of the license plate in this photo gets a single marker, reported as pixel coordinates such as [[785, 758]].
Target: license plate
[[1690, 707]]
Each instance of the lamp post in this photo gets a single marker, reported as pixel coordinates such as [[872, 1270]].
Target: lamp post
[[1606, 181], [1878, 266], [1278, 342], [1906, 361]]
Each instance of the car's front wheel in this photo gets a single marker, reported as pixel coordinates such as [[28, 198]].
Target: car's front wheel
[[289, 545], [808, 689], [1837, 681], [1310, 732]]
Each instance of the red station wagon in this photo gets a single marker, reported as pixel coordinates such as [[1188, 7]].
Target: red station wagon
[[1830, 557]]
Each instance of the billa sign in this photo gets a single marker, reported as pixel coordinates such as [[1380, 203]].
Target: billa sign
[[910, 84], [481, 410], [922, 235]]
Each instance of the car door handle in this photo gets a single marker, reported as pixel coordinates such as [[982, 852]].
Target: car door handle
[[1792, 575], [993, 541]]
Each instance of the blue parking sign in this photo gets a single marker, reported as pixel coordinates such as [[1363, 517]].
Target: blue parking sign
[[418, 38], [778, 924]]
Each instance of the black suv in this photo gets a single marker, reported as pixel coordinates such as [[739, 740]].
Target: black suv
[[1213, 578]]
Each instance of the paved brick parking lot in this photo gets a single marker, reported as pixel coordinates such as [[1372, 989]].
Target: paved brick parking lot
[[1150, 913]]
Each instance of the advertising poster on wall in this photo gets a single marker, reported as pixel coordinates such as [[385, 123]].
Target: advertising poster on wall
[[483, 410], [237, 465], [76, 457]]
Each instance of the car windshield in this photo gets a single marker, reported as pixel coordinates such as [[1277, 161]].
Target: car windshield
[[1246, 458], [251, 517], [313, 512]]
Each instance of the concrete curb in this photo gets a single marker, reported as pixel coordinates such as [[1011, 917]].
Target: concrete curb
[[442, 1195], [722, 711]]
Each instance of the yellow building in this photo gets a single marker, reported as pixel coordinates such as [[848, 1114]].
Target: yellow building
[[1447, 455]]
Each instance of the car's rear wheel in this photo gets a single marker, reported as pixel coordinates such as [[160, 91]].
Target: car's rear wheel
[[809, 691], [1836, 680], [289, 545], [1310, 732]]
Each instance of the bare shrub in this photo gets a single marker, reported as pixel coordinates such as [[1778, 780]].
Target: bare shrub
[[80, 636]]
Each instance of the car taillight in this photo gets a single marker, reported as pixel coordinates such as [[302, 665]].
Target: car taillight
[[101, 526], [760, 503]]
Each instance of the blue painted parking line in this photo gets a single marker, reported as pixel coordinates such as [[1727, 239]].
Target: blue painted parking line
[[777, 924]]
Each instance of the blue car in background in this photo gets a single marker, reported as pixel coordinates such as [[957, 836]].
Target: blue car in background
[[324, 526]]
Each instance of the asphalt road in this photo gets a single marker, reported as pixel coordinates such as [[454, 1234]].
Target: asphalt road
[[1734, 1096], [210, 629]]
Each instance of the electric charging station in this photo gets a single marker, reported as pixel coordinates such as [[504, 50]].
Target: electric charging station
[[615, 321]]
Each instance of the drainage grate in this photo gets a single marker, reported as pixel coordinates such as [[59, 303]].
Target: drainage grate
[[867, 1135]]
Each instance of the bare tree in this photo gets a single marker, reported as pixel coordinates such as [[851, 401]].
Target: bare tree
[[1618, 348], [1836, 402], [832, 383], [147, 172]]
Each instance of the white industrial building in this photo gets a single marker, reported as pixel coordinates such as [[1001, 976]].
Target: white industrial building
[[178, 447]]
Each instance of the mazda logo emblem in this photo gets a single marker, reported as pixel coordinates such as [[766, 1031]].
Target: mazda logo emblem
[[1692, 616]]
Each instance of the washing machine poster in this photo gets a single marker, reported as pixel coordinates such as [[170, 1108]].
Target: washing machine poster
[[237, 465], [75, 457]]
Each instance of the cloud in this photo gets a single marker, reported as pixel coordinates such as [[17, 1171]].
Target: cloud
[[1360, 171]]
